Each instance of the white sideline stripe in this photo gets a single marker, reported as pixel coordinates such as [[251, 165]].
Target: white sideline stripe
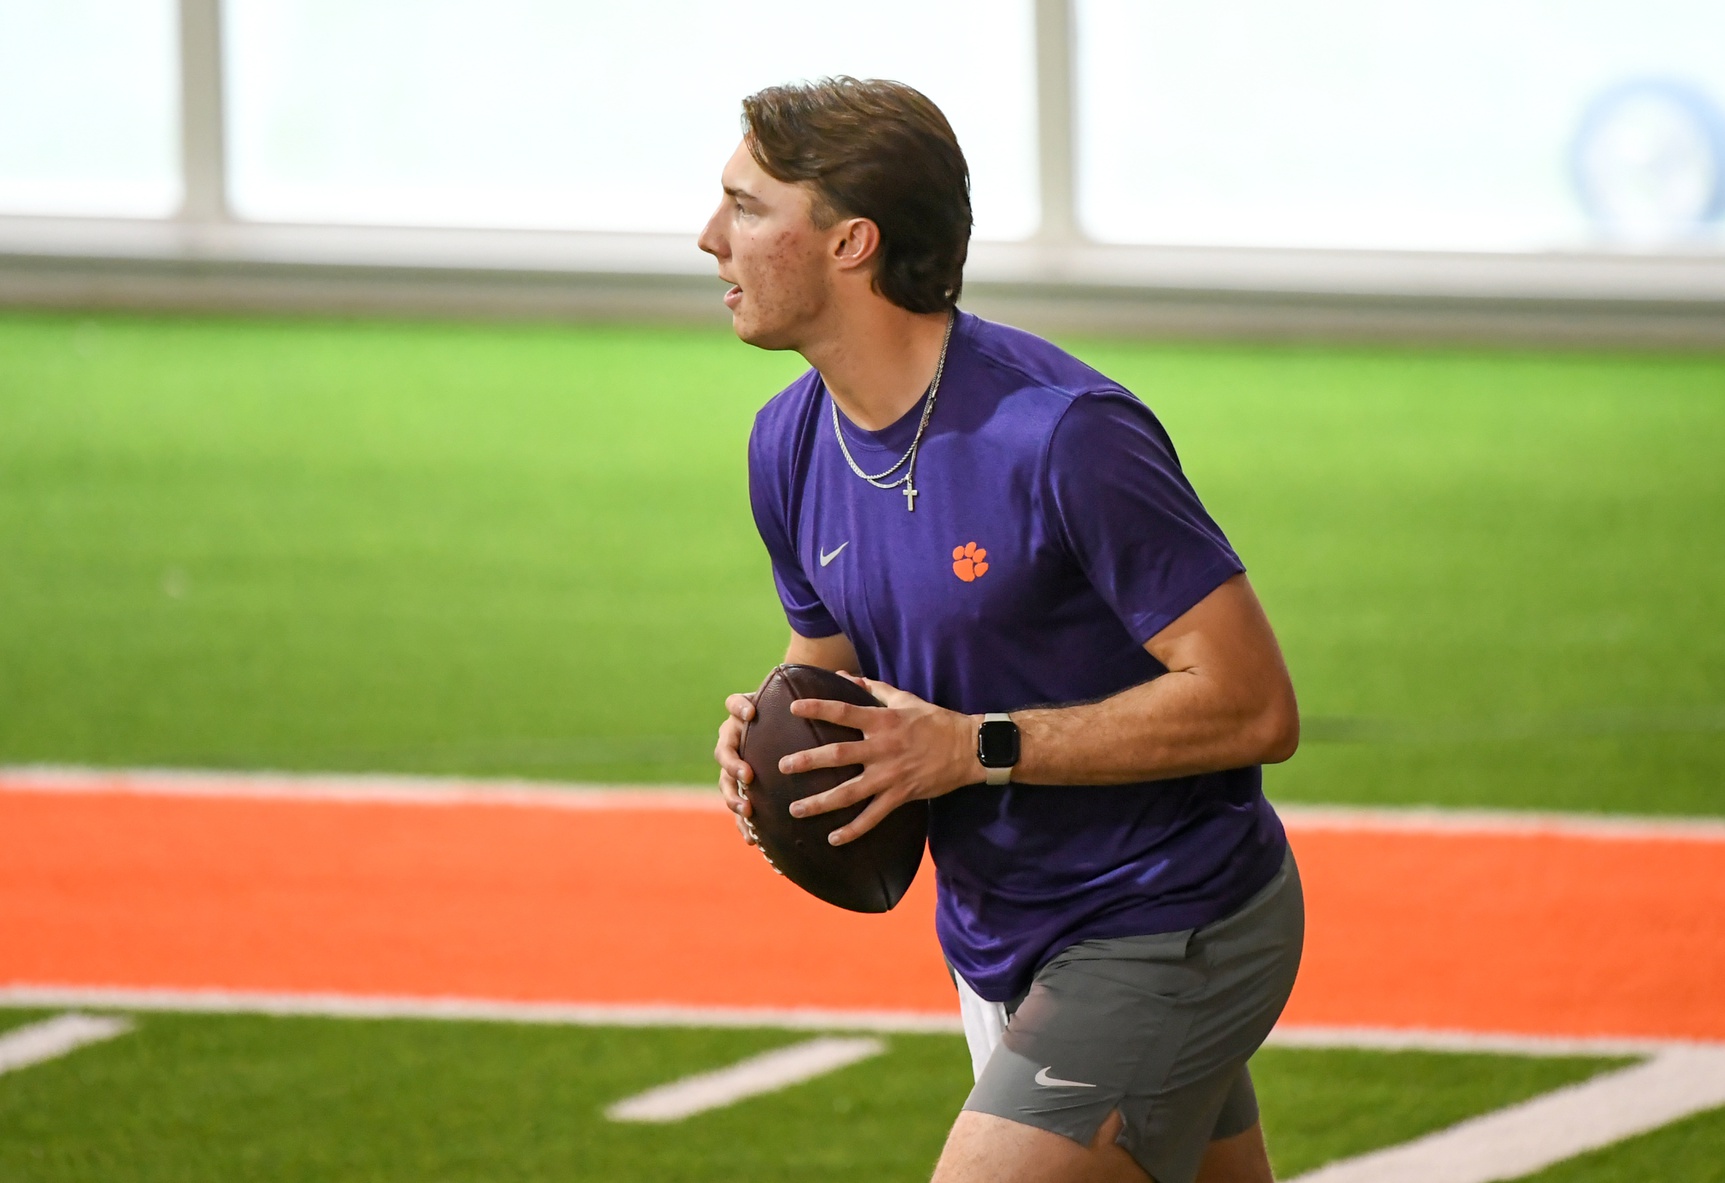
[[358, 788], [433, 790], [1534, 1134], [766, 1073], [1421, 819], [1394, 1039], [493, 1010], [358, 1006], [52, 1038]]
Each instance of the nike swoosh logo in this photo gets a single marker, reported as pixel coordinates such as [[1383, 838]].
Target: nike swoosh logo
[[826, 558], [1046, 1080]]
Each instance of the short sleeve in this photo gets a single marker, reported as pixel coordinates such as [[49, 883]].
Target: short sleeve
[[1129, 516], [769, 497]]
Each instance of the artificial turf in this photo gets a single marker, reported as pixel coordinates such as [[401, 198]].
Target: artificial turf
[[188, 1098], [1689, 1150], [527, 551]]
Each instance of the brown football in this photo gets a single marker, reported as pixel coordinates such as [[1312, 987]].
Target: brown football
[[870, 874]]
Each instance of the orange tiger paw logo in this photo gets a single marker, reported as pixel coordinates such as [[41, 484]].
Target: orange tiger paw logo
[[969, 562]]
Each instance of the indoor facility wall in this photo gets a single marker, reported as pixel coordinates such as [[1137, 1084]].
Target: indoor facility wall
[[1472, 169]]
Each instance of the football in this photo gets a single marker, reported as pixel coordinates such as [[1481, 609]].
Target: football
[[870, 874]]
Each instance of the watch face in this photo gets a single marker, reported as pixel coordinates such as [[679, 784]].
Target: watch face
[[997, 744]]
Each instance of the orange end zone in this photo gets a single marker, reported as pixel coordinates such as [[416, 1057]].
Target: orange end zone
[[1527, 933], [1532, 933]]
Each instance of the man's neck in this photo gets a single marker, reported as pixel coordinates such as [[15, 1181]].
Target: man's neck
[[879, 361]]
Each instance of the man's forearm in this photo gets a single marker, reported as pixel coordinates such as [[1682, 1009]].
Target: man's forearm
[[1177, 725], [1225, 702]]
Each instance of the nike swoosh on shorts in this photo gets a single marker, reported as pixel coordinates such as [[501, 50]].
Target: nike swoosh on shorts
[[826, 558], [1044, 1079]]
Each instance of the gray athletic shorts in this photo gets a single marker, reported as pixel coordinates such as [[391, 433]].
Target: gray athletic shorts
[[1159, 1027]]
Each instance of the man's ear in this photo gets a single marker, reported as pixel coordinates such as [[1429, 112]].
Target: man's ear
[[856, 243]]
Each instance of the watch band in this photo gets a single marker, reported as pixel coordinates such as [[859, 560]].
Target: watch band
[[998, 776]]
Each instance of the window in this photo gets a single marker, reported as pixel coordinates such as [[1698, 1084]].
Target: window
[[89, 107], [1474, 125], [589, 116]]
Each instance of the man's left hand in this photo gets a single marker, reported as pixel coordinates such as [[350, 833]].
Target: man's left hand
[[910, 750]]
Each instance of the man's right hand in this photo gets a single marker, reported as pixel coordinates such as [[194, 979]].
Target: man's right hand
[[735, 775]]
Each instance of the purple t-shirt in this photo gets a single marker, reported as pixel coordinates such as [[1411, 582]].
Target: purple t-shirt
[[1094, 543]]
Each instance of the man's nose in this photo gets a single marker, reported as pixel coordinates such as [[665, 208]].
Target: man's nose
[[711, 241]]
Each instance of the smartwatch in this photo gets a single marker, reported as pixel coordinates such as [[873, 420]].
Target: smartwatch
[[997, 747]]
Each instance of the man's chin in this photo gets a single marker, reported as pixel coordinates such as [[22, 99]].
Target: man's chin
[[758, 335]]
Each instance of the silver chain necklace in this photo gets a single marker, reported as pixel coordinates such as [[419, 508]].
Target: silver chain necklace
[[908, 460]]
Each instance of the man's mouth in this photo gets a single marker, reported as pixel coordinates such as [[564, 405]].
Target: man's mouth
[[733, 296]]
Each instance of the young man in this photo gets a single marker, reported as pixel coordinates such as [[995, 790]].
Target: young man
[[981, 525]]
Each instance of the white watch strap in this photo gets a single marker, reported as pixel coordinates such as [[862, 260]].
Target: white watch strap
[[998, 776]]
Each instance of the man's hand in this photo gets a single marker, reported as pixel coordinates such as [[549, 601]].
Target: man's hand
[[734, 773], [910, 750]]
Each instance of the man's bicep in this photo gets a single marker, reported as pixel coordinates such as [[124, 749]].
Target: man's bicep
[[1225, 643], [1227, 630], [830, 653]]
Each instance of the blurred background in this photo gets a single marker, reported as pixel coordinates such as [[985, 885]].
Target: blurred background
[[366, 407], [1137, 165]]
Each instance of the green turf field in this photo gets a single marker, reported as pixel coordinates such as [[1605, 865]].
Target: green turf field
[[184, 1099], [527, 551]]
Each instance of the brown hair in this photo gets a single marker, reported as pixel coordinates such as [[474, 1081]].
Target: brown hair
[[878, 150]]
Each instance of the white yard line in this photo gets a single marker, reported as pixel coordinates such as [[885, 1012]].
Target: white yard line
[[52, 1038], [433, 790], [1420, 819], [765, 1073], [1393, 1039], [579, 1014], [1548, 1129], [357, 788], [360, 1006]]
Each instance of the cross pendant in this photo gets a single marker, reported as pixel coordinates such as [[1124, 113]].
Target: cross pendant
[[910, 496]]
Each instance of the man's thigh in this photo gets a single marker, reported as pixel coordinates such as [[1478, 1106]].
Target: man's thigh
[[1152, 1030], [983, 1148]]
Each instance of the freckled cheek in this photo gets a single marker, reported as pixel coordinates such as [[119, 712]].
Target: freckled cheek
[[771, 265], [775, 271], [774, 268]]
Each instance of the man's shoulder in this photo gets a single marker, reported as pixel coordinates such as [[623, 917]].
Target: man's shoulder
[[786, 416], [1072, 414], [1023, 361], [1043, 393], [794, 400]]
